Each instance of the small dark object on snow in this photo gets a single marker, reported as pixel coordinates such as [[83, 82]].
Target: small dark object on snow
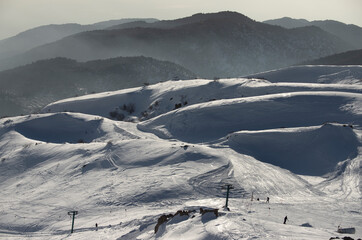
[[267, 199], [285, 219], [347, 238], [306, 225], [181, 213], [215, 211], [160, 220], [350, 230], [178, 105]]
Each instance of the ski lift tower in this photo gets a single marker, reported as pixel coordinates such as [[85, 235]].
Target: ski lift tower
[[227, 187], [72, 213]]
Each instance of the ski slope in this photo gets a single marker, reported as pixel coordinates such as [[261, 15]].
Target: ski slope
[[178, 143]]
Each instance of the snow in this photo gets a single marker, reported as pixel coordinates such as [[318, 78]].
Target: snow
[[327, 146], [161, 98], [315, 74], [297, 142]]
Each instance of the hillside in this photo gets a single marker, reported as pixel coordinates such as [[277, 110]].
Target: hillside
[[27, 89], [347, 32], [346, 58], [153, 101], [177, 144], [314, 74], [225, 44], [41, 35]]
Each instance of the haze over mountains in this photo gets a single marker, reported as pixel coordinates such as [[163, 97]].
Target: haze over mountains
[[224, 44], [348, 32], [38, 36]]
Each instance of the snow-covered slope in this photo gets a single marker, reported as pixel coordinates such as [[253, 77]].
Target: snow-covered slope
[[307, 151], [315, 74], [256, 113], [122, 159], [154, 100]]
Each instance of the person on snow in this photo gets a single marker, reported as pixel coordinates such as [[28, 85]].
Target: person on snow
[[285, 219], [267, 199]]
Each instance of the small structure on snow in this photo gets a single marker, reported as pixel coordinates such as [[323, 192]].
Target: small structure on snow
[[350, 230]]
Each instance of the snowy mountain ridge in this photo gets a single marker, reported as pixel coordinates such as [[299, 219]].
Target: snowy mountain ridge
[[122, 159]]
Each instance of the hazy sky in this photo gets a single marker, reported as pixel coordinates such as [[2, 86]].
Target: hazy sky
[[20, 15]]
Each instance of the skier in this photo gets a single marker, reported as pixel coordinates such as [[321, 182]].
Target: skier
[[285, 219], [267, 199], [96, 226]]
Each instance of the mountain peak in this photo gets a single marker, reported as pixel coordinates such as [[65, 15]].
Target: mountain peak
[[288, 22], [224, 15]]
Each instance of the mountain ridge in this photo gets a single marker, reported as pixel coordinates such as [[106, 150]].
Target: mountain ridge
[[224, 44], [38, 36], [348, 32]]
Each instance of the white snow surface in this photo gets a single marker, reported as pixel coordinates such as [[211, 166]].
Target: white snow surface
[[298, 142], [315, 74]]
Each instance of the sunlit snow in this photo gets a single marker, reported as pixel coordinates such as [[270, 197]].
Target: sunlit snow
[[122, 159]]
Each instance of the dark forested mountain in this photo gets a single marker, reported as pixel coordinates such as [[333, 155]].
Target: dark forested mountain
[[221, 44], [347, 32], [347, 58], [38, 36], [28, 88]]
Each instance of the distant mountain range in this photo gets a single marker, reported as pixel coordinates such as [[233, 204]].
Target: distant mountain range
[[28, 88], [347, 32], [38, 36], [224, 44]]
